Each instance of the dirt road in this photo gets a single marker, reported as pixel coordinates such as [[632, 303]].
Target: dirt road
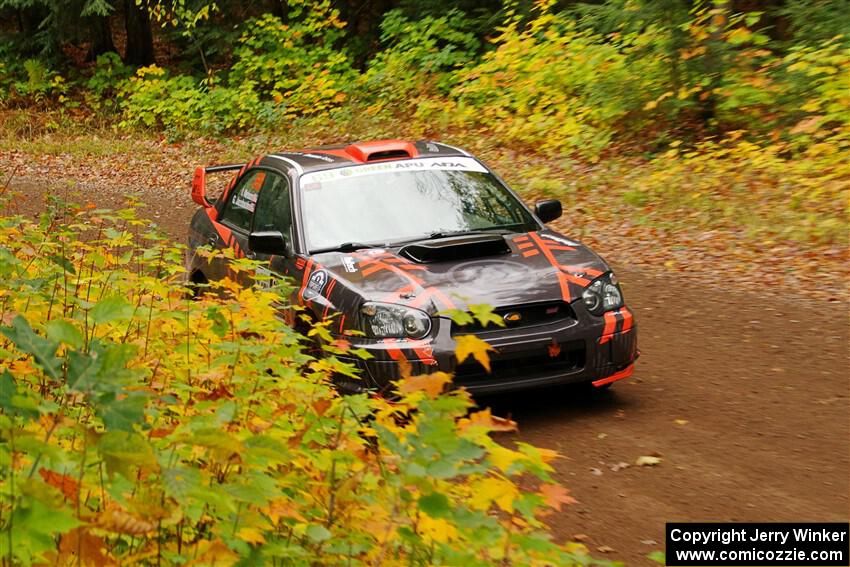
[[743, 396]]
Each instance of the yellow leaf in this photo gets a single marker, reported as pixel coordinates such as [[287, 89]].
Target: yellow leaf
[[213, 553], [117, 520], [503, 457], [502, 492], [548, 455], [431, 384], [471, 345], [489, 421], [251, 535], [436, 529]]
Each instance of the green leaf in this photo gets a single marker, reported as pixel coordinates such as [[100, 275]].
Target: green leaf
[[484, 314], [122, 413], [435, 505], [113, 308], [13, 401], [63, 262], [42, 350], [123, 450], [34, 527], [64, 332], [318, 533], [658, 557], [83, 369]]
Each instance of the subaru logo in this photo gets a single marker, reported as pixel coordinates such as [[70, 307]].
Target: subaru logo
[[512, 317]]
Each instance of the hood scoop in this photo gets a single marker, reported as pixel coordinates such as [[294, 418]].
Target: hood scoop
[[455, 248]]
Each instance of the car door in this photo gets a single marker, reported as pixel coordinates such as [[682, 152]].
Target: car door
[[274, 212], [233, 223]]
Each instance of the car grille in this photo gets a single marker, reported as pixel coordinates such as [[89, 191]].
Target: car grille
[[570, 356], [520, 316]]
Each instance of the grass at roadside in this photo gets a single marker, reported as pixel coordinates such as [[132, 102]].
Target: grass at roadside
[[719, 212]]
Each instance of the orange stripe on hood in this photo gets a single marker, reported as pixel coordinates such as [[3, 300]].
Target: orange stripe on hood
[[562, 278]]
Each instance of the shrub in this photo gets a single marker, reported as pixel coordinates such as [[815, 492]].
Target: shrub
[[32, 82], [139, 426], [419, 55], [550, 84], [765, 191], [181, 103], [109, 72], [281, 71], [295, 64]]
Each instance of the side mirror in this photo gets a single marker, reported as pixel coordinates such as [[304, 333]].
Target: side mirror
[[270, 242], [548, 210]]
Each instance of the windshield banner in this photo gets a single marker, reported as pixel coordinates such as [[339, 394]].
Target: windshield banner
[[424, 164]]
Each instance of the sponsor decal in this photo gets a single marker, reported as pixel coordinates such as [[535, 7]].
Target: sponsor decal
[[350, 264], [248, 194], [424, 164], [432, 147], [314, 156], [315, 285], [559, 239]]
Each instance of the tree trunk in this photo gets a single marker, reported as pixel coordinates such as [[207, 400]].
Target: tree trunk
[[101, 37], [139, 35], [715, 63]]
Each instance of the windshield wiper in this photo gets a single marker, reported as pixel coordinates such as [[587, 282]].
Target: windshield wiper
[[501, 229], [344, 247]]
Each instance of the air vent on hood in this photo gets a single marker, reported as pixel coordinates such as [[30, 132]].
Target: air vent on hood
[[455, 248]]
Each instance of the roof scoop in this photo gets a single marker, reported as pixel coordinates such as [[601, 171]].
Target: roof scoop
[[381, 150], [455, 248]]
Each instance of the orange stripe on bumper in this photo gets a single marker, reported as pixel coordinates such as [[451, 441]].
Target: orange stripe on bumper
[[610, 325], [395, 352], [624, 373], [628, 319]]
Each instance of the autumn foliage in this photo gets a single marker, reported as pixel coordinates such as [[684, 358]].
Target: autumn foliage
[[140, 426]]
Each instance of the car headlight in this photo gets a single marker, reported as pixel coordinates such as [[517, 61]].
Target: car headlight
[[387, 320], [603, 295]]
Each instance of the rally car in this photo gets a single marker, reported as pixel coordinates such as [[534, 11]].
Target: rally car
[[385, 239]]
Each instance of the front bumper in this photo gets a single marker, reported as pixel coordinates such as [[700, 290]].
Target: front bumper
[[585, 349]]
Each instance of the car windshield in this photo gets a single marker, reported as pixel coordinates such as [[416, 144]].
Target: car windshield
[[399, 201]]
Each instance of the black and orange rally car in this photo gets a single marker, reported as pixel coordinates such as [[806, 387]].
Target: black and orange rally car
[[383, 238]]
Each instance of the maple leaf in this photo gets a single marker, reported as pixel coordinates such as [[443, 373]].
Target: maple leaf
[[80, 545], [504, 458], [436, 529], [471, 345], [431, 384], [214, 553], [68, 485], [251, 535], [491, 489], [321, 406], [555, 495], [489, 421], [117, 520]]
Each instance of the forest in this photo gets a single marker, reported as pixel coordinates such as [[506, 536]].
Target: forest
[[709, 139]]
